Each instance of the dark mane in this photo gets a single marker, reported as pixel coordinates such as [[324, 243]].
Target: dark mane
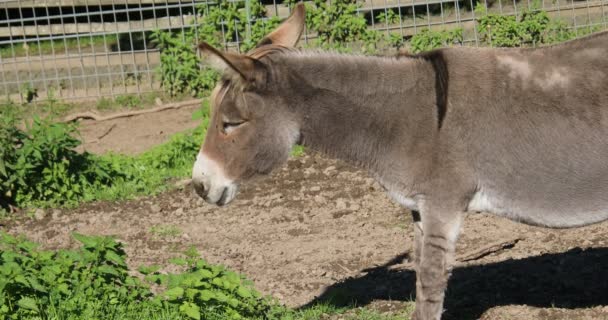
[[440, 66]]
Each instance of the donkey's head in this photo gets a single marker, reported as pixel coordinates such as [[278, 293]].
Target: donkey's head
[[251, 130]]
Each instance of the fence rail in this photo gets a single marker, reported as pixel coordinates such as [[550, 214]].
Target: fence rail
[[78, 49]]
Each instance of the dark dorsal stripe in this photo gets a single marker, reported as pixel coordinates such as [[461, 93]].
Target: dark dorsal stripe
[[440, 67]]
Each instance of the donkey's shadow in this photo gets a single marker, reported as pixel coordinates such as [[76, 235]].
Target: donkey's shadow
[[573, 279]]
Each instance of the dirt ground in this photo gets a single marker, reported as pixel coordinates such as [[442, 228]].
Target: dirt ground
[[320, 230]]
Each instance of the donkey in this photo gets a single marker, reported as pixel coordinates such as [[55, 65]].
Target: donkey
[[521, 133]]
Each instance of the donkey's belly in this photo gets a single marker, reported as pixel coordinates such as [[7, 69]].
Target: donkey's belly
[[535, 210]]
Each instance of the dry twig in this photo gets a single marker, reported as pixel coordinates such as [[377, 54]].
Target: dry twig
[[491, 248], [97, 117], [107, 132]]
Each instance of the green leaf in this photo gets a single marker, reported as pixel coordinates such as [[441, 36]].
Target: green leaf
[[206, 295], [2, 168], [28, 303], [145, 270], [191, 310], [243, 292], [89, 242], [36, 285], [108, 270], [115, 258], [179, 261], [174, 294]]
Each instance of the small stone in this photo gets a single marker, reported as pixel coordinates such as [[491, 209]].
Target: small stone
[[330, 171], [56, 214], [315, 188], [39, 214], [320, 199], [155, 208], [179, 211], [340, 204]]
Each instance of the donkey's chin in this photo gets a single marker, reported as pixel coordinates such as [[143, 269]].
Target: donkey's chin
[[222, 196]]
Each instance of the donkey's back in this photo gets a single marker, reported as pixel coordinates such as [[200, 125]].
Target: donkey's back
[[538, 144]]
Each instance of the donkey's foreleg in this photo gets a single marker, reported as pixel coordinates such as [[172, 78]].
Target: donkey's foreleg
[[417, 237], [440, 230]]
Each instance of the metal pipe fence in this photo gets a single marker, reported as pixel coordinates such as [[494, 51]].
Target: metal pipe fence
[[78, 49]]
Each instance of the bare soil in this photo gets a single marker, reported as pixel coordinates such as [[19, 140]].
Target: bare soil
[[320, 230]]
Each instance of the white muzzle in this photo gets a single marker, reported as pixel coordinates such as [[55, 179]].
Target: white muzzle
[[211, 183]]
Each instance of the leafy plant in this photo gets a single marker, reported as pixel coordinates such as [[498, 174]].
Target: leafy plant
[[28, 92], [39, 165], [220, 22], [389, 16], [532, 28], [180, 69], [202, 286], [395, 40], [45, 284], [427, 39], [94, 282], [338, 22], [128, 101]]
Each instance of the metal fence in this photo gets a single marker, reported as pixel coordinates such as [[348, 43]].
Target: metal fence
[[75, 49]]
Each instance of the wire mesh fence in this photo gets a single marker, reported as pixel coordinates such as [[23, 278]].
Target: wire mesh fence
[[75, 49]]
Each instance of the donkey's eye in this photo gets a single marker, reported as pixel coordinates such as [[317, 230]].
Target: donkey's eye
[[229, 126]]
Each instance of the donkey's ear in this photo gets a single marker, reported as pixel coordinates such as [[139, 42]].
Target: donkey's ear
[[235, 65], [288, 33]]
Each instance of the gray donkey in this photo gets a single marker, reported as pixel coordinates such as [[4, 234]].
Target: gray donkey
[[521, 133]]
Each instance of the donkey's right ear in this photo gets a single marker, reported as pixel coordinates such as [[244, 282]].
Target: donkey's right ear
[[232, 64], [288, 33]]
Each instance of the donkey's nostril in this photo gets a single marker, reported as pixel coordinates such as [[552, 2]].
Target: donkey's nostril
[[200, 189]]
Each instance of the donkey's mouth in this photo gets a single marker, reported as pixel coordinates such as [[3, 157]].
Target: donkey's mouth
[[225, 197]]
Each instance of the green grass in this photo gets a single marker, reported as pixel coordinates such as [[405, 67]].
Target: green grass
[[297, 151], [165, 230]]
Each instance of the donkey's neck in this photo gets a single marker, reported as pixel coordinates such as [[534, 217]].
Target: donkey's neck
[[369, 111]]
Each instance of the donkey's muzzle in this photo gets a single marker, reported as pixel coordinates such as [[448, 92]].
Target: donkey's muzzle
[[210, 182]]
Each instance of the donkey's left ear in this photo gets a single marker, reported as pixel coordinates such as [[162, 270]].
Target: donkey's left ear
[[234, 65], [288, 33]]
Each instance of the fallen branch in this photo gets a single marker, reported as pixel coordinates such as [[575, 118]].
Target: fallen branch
[[491, 248], [97, 117], [107, 132]]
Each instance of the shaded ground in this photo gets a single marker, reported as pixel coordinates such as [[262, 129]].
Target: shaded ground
[[320, 230]]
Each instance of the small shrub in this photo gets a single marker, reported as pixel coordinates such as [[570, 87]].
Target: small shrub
[[40, 167], [203, 288], [533, 27], [28, 92], [337, 23], [396, 40], [220, 22], [390, 16], [427, 39], [180, 69], [128, 101]]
